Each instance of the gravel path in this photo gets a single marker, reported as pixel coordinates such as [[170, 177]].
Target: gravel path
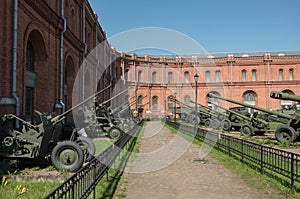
[[150, 177]]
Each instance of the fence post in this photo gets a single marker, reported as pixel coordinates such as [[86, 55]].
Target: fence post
[[228, 144], [261, 160], [292, 172], [242, 151]]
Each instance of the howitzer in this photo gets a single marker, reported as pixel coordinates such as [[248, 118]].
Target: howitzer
[[188, 113], [217, 119], [287, 126], [49, 136], [106, 123], [236, 118]]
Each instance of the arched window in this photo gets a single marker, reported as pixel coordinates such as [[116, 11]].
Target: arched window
[[30, 79], [207, 76], [140, 100], [249, 98], [154, 77], [139, 76], [218, 76], [170, 77], [280, 74], [291, 74], [244, 75], [254, 75], [186, 77], [155, 103], [170, 103], [187, 100]]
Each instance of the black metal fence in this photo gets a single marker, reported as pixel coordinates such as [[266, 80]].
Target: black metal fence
[[265, 158], [83, 183]]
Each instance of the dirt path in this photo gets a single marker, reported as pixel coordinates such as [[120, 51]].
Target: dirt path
[[185, 178]]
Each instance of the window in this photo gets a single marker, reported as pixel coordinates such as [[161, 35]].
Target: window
[[207, 76], [243, 75], [254, 75], [30, 57], [186, 77], [187, 100], [170, 77], [280, 74], [170, 103], [126, 76], [155, 103], [29, 103], [249, 98], [30, 78], [291, 74], [140, 100], [153, 77], [218, 76], [139, 76]]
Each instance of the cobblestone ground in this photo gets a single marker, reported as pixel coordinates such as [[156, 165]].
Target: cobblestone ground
[[185, 178]]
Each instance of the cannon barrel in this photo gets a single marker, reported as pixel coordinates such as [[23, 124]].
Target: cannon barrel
[[251, 106], [61, 116], [209, 108], [181, 103], [284, 96]]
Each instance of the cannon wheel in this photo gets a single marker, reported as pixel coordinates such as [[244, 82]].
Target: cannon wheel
[[68, 156], [194, 119], [226, 124], [114, 133], [285, 134], [247, 130], [88, 148], [215, 123], [207, 122]]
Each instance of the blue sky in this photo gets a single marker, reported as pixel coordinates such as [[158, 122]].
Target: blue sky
[[217, 25]]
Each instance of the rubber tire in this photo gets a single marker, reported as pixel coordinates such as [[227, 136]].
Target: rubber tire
[[88, 148], [66, 148], [285, 134], [207, 122], [215, 123], [194, 119], [226, 124], [249, 130], [114, 133]]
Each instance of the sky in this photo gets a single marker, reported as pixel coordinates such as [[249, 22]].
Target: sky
[[217, 25]]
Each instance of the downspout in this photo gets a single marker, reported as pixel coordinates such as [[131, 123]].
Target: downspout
[[84, 50], [14, 62], [61, 70]]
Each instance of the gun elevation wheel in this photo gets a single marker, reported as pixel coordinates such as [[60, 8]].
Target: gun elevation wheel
[[285, 134], [247, 130], [88, 147], [68, 156]]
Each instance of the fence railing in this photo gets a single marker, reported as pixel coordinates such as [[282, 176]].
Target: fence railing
[[279, 161], [83, 183]]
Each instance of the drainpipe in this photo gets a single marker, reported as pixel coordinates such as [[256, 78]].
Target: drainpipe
[[61, 67], [84, 50], [14, 62]]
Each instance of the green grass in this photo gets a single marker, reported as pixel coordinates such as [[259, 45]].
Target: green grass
[[111, 185], [31, 190], [268, 184]]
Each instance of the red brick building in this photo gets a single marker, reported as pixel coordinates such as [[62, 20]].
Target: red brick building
[[242, 77], [43, 45]]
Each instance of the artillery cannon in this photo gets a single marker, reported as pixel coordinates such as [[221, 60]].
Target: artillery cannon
[[47, 137], [217, 119], [107, 124], [286, 127]]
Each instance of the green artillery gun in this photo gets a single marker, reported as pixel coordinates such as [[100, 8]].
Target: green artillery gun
[[217, 119], [286, 127], [189, 112], [48, 136], [237, 117], [105, 124], [286, 96]]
